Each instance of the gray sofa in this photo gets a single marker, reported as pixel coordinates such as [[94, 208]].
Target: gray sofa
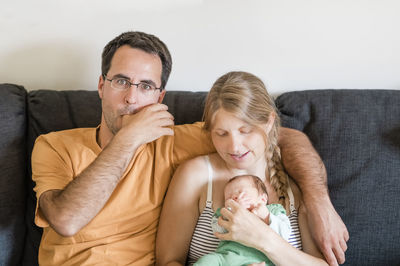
[[356, 132]]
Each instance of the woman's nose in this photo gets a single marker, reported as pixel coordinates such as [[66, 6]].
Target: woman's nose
[[234, 144]]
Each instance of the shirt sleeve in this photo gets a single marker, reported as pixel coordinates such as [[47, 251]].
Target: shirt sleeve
[[279, 222], [191, 140], [50, 170]]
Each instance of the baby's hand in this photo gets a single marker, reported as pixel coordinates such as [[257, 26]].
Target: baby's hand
[[243, 200], [262, 211], [257, 264]]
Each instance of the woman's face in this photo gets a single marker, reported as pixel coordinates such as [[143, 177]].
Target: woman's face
[[239, 144]]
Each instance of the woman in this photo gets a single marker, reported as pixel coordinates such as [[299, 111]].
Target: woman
[[243, 123]]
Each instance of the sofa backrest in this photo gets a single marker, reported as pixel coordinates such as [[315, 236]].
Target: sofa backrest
[[357, 134]]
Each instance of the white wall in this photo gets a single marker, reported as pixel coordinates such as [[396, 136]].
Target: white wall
[[290, 44]]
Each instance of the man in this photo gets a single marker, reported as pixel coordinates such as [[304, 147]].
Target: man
[[100, 193]]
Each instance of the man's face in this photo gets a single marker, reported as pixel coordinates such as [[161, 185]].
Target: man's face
[[136, 66]]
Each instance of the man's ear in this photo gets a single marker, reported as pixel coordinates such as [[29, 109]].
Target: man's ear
[[161, 97], [270, 122], [100, 86]]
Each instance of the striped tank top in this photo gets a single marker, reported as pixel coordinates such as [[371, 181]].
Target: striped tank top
[[204, 241]]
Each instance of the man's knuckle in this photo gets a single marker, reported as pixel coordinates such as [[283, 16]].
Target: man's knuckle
[[326, 248], [332, 261]]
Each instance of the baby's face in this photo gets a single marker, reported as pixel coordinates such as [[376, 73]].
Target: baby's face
[[244, 192]]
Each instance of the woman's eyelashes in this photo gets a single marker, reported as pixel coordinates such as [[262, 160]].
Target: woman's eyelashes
[[242, 130], [246, 130], [221, 133]]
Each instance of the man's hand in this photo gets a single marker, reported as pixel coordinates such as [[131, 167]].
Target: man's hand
[[328, 231], [147, 125]]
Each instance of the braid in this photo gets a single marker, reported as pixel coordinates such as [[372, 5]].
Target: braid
[[277, 174]]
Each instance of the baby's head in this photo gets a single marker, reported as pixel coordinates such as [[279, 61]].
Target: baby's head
[[247, 190]]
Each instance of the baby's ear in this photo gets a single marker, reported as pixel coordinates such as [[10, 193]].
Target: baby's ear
[[264, 198]]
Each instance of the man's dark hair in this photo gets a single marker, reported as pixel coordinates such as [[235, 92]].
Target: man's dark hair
[[139, 40]]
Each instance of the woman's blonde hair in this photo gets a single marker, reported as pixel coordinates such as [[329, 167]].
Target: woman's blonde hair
[[245, 95]]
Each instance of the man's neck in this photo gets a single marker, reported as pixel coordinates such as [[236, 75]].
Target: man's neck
[[103, 135]]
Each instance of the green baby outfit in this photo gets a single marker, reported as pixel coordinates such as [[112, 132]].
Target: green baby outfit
[[234, 254]]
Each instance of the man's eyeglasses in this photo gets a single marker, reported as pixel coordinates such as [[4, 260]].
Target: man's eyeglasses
[[124, 84]]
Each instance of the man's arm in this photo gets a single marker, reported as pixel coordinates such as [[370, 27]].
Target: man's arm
[[303, 163], [70, 209]]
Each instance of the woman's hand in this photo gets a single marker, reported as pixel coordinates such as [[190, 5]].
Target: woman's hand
[[262, 212], [243, 226]]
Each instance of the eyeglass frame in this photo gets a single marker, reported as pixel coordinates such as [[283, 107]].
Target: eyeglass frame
[[131, 83]]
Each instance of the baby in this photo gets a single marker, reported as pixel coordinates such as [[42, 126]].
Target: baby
[[250, 192]]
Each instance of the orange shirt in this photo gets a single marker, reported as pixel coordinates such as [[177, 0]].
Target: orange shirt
[[124, 231]]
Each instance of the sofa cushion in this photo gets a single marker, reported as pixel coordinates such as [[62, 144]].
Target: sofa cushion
[[357, 134], [12, 172]]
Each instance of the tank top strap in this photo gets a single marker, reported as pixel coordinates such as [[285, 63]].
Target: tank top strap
[[209, 187], [291, 197]]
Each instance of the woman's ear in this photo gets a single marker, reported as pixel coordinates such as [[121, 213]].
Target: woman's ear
[[270, 122]]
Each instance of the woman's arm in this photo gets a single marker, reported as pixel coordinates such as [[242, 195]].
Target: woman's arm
[[303, 163], [180, 213], [249, 230]]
